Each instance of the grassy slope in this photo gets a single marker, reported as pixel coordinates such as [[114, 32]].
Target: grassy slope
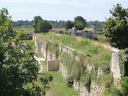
[[58, 85]]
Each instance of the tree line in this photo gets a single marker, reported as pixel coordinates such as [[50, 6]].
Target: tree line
[[55, 24]]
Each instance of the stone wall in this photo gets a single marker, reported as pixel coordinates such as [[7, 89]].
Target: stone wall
[[63, 70], [44, 50], [53, 65], [95, 89], [115, 69]]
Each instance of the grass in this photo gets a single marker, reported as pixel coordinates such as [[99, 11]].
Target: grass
[[102, 39], [58, 85], [39, 54], [26, 30], [44, 63], [98, 55]]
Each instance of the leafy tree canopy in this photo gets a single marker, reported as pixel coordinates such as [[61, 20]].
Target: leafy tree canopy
[[80, 22], [116, 27], [41, 25], [17, 64], [69, 24]]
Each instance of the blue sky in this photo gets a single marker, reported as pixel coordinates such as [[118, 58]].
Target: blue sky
[[60, 9]]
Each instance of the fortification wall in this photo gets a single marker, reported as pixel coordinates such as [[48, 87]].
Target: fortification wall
[[95, 89]]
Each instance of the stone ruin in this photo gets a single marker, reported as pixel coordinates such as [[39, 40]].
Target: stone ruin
[[86, 34], [115, 69], [54, 65]]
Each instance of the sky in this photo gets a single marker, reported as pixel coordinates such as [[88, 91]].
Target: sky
[[90, 10]]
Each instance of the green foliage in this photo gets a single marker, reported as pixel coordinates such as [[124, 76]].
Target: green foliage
[[97, 24], [67, 40], [22, 24], [59, 86], [54, 48], [69, 24], [79, 22], [116, 27], [35, 22], [123, 62], [18, 66], [113, 91], [123, 91], [124, 86], [58, 24], [41, 25], [96, 54], [76, 70], [38, 87], [88, 54], [79, 25]]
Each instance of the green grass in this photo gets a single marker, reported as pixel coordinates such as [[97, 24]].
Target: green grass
[[44, 63], [39, 54], [102, 39], [26, 30], [98, 55], [59, 86]]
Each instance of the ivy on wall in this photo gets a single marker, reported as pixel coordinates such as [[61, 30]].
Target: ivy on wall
[[123, 62], [77, 70]]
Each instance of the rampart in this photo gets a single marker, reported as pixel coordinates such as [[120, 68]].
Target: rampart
[[55, 64]]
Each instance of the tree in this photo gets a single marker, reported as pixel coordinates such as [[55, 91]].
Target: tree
[[41, 25], [35, 22], [69, 24], [79, 25], [17, 64], [116, 27], [80, 22]]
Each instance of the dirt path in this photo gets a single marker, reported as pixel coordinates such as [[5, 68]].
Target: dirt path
[[39, 62]]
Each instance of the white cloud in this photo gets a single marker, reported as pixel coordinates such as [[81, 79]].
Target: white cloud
[[94, 3], [77, 3], [33, 1]]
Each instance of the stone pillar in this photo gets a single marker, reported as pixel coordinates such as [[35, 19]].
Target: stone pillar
[[115, 69], [38, 46], [35, 41], [60, 48], [45, 50], [93, 31]]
